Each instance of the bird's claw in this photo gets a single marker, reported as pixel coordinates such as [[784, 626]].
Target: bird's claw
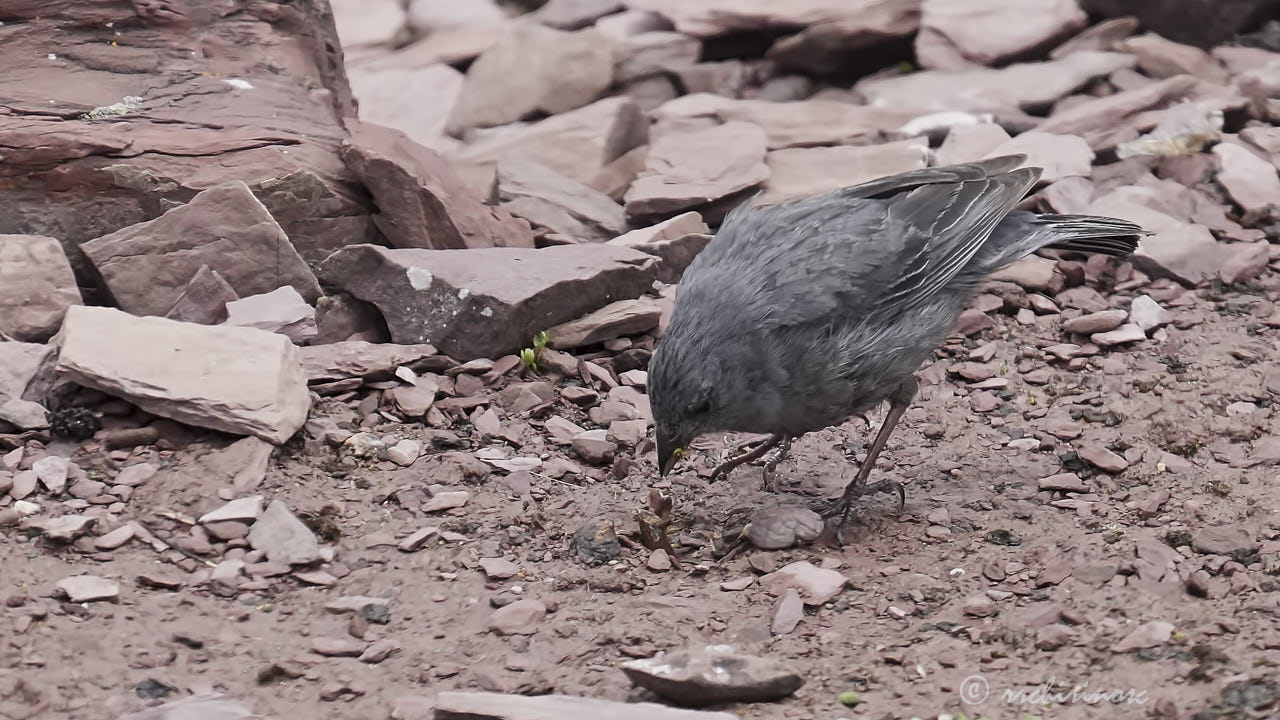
[[844, 505], [771, 464]]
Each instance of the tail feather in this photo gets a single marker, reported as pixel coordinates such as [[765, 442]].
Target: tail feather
[[1023, 233], [1091, 234]]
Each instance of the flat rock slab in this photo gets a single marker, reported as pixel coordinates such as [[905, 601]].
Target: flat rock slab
[[490, 302], [496, 706], [533, 69], [685, 170], [713, 675], [544, 197], [577, 144], [36, 287], [237, 380], [283, 537], [803, 123], [88, 588], [147, 266], [210, 706], [803, 172], [423, 202], [1026, 86], [19, 362], [280, 311], [625, 317], [957, 33], [358, 359]]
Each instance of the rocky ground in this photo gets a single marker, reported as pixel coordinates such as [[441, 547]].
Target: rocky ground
[[303, 412]]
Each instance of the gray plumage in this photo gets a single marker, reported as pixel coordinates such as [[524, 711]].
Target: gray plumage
[[801, 315]]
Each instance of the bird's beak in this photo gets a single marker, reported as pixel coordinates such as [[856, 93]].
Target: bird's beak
[[667, 455]]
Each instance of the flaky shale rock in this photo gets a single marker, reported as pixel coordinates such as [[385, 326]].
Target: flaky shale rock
[[147, 266], [487, 302], [237, 380], [113, 112]]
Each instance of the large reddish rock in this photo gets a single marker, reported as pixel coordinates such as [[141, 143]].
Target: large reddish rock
[[533, 70], [102, 131], [577, 144], [146, 267], [422, 202], [237, 380], [955, 34], [1027, 86], [36, 287], [489, 302], [687, 170], [1059, 156]]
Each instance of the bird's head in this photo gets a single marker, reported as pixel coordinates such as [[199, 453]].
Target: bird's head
[[683, 398]]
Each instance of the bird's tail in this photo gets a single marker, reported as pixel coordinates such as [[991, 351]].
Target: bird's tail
[[1022, 233], [1091, 234]]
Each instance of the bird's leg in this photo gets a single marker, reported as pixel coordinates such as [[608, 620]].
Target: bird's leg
[[770, 465], [727, 466], [858, 487]]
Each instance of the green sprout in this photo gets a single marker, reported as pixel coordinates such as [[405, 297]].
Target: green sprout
[[529, 355], [530, 359]]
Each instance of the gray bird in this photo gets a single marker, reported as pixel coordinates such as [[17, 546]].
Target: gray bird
[[801, 315]]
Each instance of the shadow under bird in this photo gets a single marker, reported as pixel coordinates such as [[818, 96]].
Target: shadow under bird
[[801, 315]]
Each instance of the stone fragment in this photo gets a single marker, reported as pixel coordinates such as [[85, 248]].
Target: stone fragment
[[237, 380], [816, 585], [533, 69], [1028, 86], [89, 588], [779, 527], [689, 169], [423, 202], [280, 311], [483, 303], [577, 144], [282, 537], [245, 508], [521, 617], [147, 266], [958, 33], [802, 172], [1225, 540], [625, 317], [1097, 322], [359, 359], [1146, 635], [1250, 181], [415, 100], [530, 190], [713, 675], [204, 299], [831, 47], [966, 143], [451, 705], [36, 287], [1059, 156]]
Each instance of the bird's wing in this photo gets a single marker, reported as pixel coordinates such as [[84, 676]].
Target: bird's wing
[[877, 248]]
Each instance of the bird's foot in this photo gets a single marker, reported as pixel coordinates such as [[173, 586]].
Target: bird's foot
[[771, 465], [840, 509], [748, 451]]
